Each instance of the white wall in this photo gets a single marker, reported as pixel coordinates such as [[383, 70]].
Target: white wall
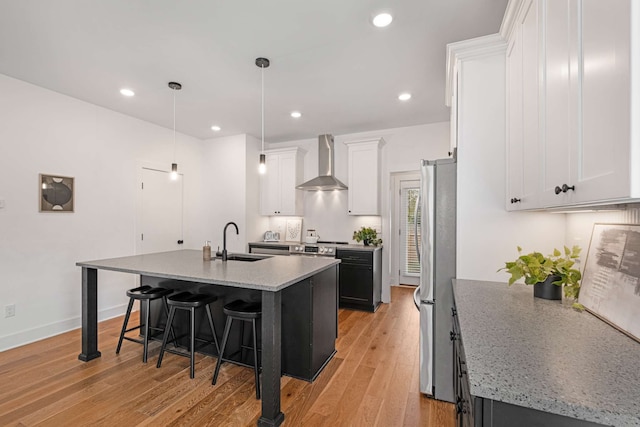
[[326, 212], [487, 234], [232, 191], [45, 132]]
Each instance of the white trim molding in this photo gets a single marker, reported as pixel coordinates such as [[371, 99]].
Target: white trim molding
[[509, 19], [470, 49]]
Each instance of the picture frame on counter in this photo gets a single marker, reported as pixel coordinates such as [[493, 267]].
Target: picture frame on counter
[[56, 193], [610, 286], [293, 230]]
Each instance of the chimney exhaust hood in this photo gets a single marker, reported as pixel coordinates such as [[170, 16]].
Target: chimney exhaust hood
[[325, 181]]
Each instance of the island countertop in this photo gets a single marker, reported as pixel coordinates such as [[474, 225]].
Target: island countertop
[[270, 274], [545, 355]]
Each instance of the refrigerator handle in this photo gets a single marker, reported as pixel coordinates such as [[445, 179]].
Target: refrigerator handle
[[416, 212], [416, 297]]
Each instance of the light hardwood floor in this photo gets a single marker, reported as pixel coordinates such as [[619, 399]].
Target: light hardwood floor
[[371, 381]]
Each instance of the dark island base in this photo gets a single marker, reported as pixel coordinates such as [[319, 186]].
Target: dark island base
[[309, 322]]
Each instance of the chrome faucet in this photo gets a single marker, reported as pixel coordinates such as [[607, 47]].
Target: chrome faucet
[[224, 239]]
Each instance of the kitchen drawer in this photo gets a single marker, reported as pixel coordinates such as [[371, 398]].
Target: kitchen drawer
[[355, 257]]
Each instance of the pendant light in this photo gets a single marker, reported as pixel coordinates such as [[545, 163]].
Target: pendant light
[[262, 63], [174, 166]]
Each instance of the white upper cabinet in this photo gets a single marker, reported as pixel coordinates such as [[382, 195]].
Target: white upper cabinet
[[600, 157], [364, 176], [523, 85], [559, 110], [278, 194], [588, 144]]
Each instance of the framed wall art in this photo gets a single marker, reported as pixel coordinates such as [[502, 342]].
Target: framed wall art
[[293, 230], [56, 193], [610, 286]]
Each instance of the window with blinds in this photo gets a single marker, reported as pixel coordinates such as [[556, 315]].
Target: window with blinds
[[409, 265]]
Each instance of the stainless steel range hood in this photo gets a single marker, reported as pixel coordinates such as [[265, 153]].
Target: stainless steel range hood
[[325, 181]]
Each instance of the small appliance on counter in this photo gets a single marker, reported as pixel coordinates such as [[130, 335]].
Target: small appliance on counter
[[311, 237], [271, 236]]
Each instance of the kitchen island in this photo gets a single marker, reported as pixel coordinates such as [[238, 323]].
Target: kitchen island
[[271, 277], [529, 361]]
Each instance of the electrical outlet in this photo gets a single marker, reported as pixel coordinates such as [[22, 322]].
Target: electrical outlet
[[10, 310]]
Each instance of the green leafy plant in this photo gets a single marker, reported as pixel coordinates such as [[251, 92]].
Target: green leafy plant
[[535, 267], [367, 235]]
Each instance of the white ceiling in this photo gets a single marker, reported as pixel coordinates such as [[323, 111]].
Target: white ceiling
[[327, 59]]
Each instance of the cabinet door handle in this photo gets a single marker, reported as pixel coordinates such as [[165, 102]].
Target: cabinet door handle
[[515, 200], [564, 188]]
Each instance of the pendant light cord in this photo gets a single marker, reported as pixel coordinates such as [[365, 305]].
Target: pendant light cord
[[174, 126], [262, 73]]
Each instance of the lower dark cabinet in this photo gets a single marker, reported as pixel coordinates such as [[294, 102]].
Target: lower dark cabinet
[[360, 279]]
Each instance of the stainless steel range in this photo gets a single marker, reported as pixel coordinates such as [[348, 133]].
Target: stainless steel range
[[322, 248]]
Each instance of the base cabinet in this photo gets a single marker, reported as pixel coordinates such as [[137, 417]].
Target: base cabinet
[[309, 316], [360, 279]]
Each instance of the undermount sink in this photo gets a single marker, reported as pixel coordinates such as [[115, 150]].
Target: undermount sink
[[246, 257]]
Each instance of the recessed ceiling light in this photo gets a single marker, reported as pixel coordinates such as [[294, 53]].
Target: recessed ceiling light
[[382, 19], [296, 114], [404, 96], [216, 128], [127, 92]]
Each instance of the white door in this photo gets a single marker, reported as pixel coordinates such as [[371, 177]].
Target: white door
[[160, 220]]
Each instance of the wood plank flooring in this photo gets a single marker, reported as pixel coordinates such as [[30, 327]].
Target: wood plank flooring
[[372, 381]]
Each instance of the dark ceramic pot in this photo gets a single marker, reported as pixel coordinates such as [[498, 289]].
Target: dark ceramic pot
[[547, 290]]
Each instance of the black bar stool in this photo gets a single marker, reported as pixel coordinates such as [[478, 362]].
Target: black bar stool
[[144, 294], [247, 312], [189, 302]]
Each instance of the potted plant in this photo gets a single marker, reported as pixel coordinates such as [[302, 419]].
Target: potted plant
[[368, 236], [549, 274]]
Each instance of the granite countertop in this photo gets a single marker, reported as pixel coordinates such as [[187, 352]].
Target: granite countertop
[[270, 274], [545, 355], [353, 247]]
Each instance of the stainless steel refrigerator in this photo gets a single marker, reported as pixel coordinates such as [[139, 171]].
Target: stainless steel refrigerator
[[436, 211]]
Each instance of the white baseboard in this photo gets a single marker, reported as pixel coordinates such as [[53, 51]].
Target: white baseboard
[[56, 328]]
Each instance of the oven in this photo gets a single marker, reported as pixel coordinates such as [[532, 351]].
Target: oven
[[320, 249]]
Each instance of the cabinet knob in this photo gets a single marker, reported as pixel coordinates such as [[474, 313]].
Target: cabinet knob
[[564, 188], [515, 200]]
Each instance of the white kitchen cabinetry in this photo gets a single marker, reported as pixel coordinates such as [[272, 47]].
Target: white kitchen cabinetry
[[589, 147], [589, 142], [364, 176], [523, 83], [278, 194]]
